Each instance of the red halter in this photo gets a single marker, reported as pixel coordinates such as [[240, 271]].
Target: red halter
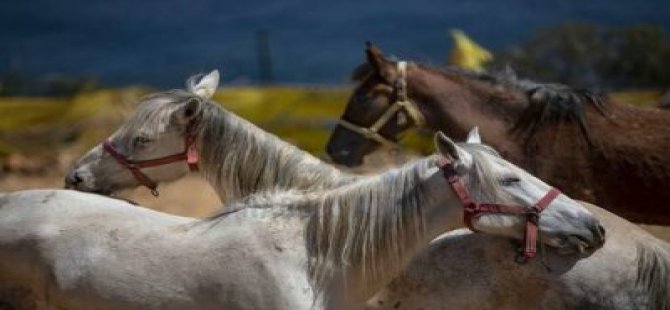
[[190, 155], [473, 209]]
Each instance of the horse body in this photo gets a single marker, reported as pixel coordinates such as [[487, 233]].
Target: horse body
[[603, 152], [479, 277], [628, 162], [83, 251], [80, 251]]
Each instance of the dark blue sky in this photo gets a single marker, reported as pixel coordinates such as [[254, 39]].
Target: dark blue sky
[[160, 42]]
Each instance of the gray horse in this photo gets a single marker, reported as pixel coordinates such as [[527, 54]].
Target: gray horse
[[83, 251]]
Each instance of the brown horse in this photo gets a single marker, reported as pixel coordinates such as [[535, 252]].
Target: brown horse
[[612, 154]]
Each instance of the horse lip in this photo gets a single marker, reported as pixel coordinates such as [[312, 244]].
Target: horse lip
[[577, 244]]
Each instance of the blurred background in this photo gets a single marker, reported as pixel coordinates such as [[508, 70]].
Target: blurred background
[[70, 70]]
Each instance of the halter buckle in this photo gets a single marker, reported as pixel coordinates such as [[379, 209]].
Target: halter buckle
[[533, 216], [401, 102], [521, 257]]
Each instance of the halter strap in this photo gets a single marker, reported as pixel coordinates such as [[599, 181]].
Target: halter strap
[[402, 102], [473, 209], [190, 155]]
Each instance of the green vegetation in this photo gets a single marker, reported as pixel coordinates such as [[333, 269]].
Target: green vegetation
[[588, 55], [303, 116]]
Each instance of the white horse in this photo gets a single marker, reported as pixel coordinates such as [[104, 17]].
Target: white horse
[[239, 159], [77, 250], [236, 157]]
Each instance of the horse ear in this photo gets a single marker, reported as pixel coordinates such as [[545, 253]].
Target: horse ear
[[454, 153], [203, 86], [379, 63], [188, 111], [473, 136]]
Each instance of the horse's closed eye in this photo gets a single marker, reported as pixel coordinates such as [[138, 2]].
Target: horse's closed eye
[[362, 99], [139, 140], [507, 181]]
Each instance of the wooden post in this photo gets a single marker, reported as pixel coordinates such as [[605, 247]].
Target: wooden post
[[266, 75]]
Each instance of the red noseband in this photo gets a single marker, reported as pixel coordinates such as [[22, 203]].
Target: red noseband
[[473, 209], [190, 155]]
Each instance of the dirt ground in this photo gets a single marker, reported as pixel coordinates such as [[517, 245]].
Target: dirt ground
[[190, 196]]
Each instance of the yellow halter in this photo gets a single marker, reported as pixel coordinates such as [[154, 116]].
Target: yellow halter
[[402, 102]]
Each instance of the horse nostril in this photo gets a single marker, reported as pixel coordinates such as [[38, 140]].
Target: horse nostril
[[582, 239], [72, 179], [601, 232], [598, 232]]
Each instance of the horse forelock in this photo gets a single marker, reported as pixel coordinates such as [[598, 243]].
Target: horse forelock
[[484, 180], [653, 274], [154, 112]]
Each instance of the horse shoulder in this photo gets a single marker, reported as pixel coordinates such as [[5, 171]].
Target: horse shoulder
[[260, 249]]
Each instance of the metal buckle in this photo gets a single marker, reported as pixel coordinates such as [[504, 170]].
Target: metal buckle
[[533, 215], [520, 258]]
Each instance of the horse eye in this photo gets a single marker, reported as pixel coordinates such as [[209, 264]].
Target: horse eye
[[141, 140], [363, 99], [507, 181]]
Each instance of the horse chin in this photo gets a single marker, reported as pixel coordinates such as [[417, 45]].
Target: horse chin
[[570, 245], [100, 191]]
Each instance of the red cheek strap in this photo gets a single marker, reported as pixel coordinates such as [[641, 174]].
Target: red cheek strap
[[190, 155]]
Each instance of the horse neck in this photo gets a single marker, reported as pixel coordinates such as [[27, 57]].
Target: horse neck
[[363, 234], [455, 103], [240, 159]]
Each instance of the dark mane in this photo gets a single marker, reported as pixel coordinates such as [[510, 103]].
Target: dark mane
[[552, 103], [548, 103]]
